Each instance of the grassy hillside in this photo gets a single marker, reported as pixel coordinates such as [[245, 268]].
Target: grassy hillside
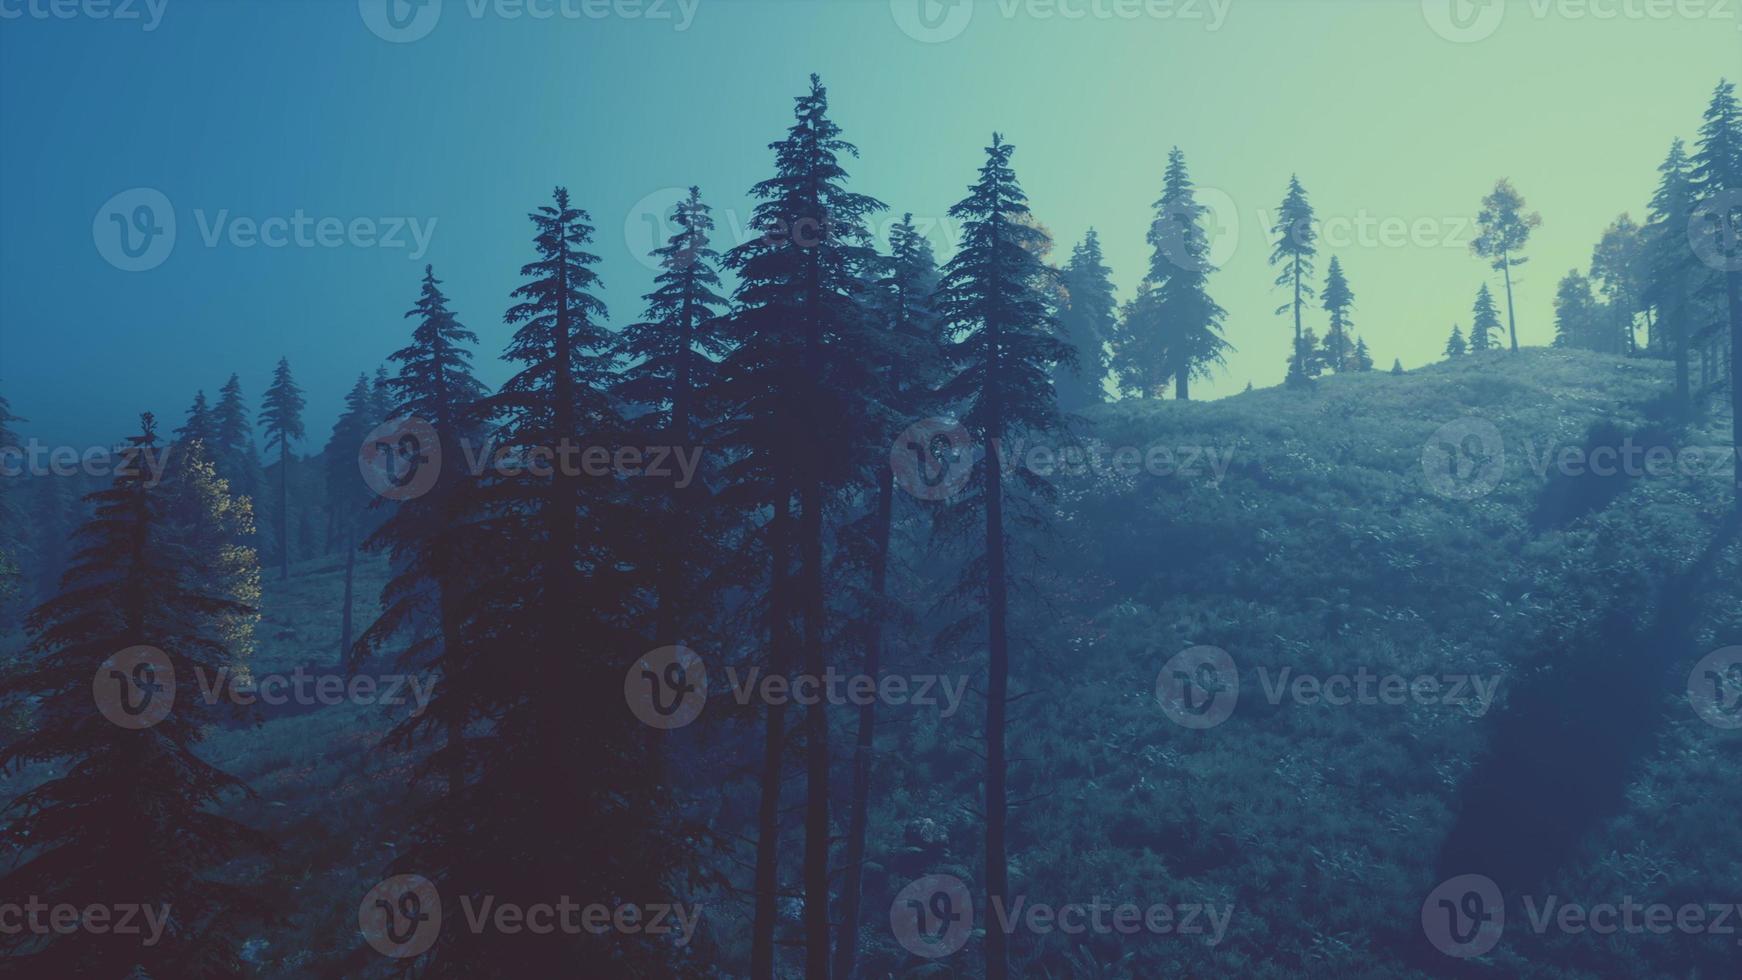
[[1325, 549]]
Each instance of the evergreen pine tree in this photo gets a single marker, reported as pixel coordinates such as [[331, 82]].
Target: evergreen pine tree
[[799, 383], [1363, 358], [555, 591], [1504, 231], [1455, 344], [1002, 361], [1717, 179], [1676, 275], [130, 818], [200, 429], [1338, 298], [671, 358], [237, 461], [1397, 366], [427, 535], [281, 420], [1295, 248], [1087, 319], [1485, 320], [1172, 330]]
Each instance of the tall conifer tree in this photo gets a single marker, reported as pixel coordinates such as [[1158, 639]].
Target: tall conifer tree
[[1295, 249], [281, 421], [1002, 365], [1172, 330], [1717, 179], [1338, 299], [799, 382]]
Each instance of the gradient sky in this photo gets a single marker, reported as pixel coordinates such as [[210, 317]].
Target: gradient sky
[[1398, 116]]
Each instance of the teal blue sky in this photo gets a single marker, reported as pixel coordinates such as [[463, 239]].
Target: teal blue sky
[[1397, 116]]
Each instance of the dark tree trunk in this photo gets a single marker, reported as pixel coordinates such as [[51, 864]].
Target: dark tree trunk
[[767, 885], [1182, 385], [997, 687], [816, 739], [350, 579], [1678, 338], [846, 948]]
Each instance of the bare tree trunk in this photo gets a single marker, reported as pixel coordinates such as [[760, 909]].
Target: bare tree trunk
[[1511, 319], [1182, 385], [816, 738], [997, 688], [847, 947], [767, 883]]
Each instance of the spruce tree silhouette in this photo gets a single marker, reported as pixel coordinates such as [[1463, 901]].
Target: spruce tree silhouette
[[130, 818]]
